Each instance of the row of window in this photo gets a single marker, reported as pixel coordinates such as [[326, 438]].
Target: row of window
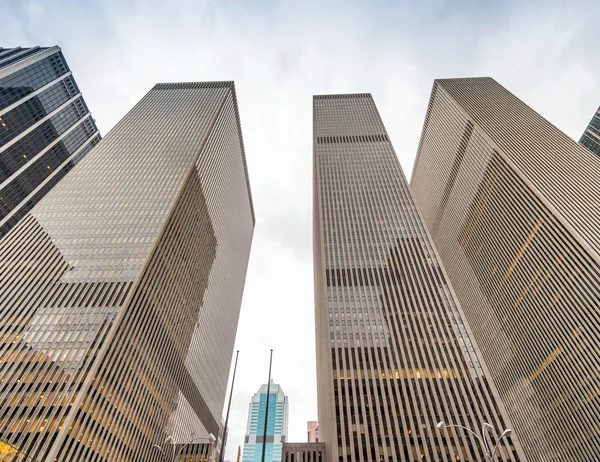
[[24, 81]]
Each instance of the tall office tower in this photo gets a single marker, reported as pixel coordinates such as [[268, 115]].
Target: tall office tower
[[394, 354], [45, 127], [591, 136], [513, 206], [277, 425], [312, 428], [120, 290]]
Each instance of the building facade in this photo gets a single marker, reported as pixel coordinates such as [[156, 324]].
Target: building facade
[[197, 452], [513, 207], [45, 127], [312, 428], [591, 136], [121, 288], [277, 425], [304, 452], [395, 354]]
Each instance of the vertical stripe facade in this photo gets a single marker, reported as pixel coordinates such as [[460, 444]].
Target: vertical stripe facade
[[394, 353], [121, 289], [304, 452], [45, 127], [515, 215]]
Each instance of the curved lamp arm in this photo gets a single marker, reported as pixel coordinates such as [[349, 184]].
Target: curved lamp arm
[[161, 451], [506, 432], [486, 437], [443, 425]]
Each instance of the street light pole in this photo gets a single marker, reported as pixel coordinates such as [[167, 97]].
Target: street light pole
[[223, 436], [264, 443], [483, 439]]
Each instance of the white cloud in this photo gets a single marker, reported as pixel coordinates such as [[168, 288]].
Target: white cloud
[[279, 55]]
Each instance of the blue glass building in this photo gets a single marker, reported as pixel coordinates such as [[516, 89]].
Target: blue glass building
[[277, 425], [45, 127], [591, 136]]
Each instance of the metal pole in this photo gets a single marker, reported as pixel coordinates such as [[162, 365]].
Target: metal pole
[[267, 409], [228, 407]]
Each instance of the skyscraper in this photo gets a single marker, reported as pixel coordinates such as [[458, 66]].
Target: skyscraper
[[45, 127], [394, 353], [591, 136], [513, 206], [277, 425], [120, 290]]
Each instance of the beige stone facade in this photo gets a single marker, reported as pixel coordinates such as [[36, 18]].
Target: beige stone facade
[[303, 452], [395, 354], [513, 206], [121, 289]]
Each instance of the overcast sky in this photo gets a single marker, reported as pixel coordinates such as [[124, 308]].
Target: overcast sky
[[280, 54]]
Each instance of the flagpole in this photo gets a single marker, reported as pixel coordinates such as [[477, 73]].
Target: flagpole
[[264, 447], [228, 407]]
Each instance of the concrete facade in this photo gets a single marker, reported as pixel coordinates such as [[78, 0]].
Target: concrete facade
[[121, 288], [395, 354], [513, 206], [304, 452]]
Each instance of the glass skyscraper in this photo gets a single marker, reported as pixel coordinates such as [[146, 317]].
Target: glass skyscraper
[[277, 425], [591, 136], [121, 289], [513, 206], [45, 127], [395, 354]]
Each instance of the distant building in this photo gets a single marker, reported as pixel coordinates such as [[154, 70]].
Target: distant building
[[277, 425], [591, 136], [313, 431], [303, 452], [45, 127]]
